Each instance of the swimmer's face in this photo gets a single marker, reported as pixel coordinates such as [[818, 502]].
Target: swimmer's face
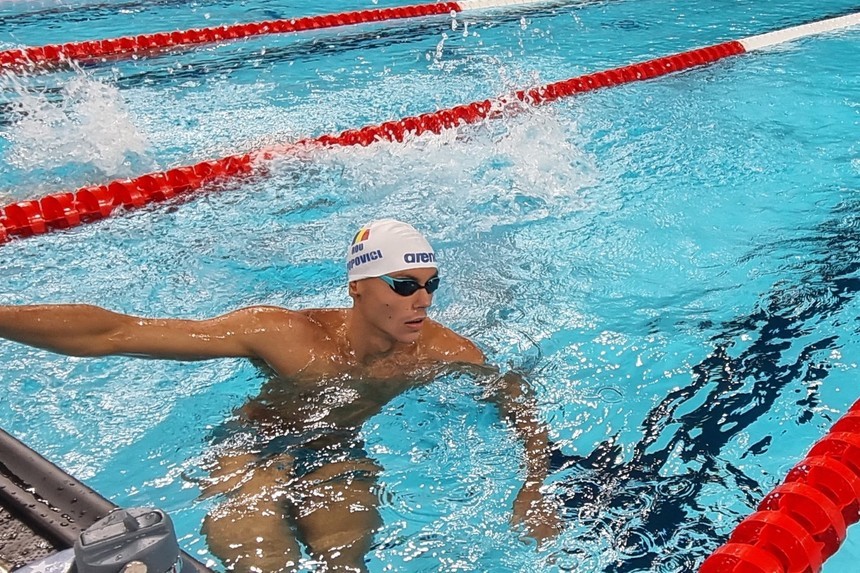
[[400, 317]]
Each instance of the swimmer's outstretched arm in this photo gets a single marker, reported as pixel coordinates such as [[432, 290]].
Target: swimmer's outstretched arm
[[85, 330]]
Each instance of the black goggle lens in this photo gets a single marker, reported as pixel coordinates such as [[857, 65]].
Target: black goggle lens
[[408, 287]]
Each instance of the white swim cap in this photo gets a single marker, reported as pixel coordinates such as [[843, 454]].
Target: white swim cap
[[387, 246]]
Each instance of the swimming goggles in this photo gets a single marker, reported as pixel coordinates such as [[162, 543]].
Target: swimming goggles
[[408, 287]]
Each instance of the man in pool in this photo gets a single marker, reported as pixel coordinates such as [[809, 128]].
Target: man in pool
[[293, 467]]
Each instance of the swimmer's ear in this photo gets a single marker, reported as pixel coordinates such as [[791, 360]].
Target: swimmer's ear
[[353, 289]]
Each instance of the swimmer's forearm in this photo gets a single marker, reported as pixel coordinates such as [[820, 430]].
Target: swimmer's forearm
[[536, 447], [73, 329], [520, 408]]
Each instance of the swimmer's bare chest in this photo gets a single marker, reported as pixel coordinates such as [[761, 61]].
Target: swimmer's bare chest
[[331, 388], [323, 351], [337, 402]]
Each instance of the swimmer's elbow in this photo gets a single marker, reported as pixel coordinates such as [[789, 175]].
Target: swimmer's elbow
[[82, 348]]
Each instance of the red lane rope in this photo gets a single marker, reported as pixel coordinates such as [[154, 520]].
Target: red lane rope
[[801, 522], [86, 204], [129, 45]]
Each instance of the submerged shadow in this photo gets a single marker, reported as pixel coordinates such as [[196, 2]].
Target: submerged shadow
[[733, 392]]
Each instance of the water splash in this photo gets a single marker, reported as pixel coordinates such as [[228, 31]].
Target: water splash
[[74, 132], [523, 168]]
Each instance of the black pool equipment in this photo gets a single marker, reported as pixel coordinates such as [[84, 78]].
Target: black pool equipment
[[135, 540], [59, 525]]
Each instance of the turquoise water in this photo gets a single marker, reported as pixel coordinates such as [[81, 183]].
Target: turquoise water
[[671, 262]]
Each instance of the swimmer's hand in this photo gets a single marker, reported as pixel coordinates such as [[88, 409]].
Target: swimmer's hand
[[537, 513]]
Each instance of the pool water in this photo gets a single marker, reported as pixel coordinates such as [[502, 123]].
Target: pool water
[[671, 263]]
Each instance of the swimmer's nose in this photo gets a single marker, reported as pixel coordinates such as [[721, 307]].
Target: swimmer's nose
[[422, 299]]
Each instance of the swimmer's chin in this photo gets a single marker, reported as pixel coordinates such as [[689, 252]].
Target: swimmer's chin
[[409, 337]]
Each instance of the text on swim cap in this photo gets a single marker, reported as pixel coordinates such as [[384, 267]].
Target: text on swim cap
[[413, 258], [363, 258]]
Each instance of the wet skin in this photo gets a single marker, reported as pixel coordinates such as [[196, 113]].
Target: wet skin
[[365, 357]]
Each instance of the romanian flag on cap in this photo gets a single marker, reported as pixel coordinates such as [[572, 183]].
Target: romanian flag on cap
[[362, 235]]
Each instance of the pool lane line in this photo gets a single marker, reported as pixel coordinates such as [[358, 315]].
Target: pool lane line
[[762, 41], [803, 521], [128, 46], [69, 209]]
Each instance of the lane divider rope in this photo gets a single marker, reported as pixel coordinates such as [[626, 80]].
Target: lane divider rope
[[128, 46], [69, 209], [802, 522]]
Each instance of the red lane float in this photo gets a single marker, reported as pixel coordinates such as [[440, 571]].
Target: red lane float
[[64, 210], [130, 45], [474, 112], [801, 522]]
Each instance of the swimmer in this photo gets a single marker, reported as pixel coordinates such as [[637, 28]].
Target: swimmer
[[307, 479]]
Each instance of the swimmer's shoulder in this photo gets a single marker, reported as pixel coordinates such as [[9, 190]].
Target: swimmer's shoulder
[[290, 342], [308, 322], [330, 320], [443, 344]]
